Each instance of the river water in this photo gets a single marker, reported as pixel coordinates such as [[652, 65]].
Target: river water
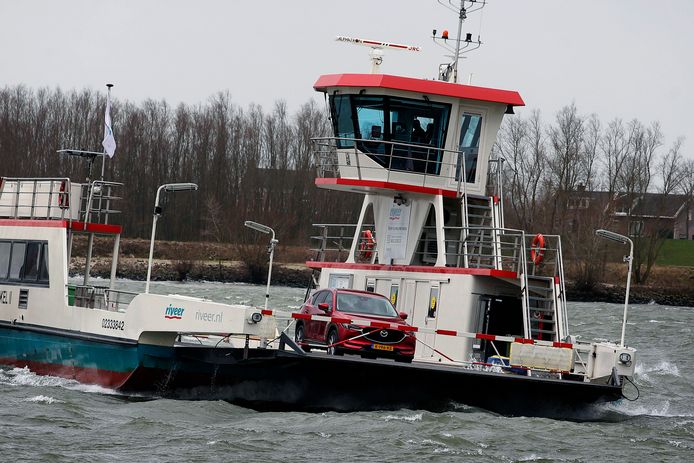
[[56, 420]]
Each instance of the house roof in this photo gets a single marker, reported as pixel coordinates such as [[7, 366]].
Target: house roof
[[639, 205]]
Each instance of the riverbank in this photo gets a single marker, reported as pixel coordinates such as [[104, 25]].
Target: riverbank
[[298, 275], [176, 261]]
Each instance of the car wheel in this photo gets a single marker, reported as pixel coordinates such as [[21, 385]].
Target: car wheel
[[300, 337], [332, 339], [403, 359]]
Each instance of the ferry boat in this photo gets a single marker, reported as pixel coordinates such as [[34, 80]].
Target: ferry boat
[[99, 334], [485, 303]]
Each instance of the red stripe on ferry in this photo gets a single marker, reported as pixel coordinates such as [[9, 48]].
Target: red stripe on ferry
[[564, 345], [385, 185], [414, 268], [409, 84], [33, 223], [96, 227]]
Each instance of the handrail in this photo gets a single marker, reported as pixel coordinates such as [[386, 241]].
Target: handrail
[[393, 156], [100, 297], [96, 188], [13, 205], [52, 198]]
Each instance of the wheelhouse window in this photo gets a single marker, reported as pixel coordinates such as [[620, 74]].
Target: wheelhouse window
[[17, 260], [5, 248], [343, 123], [469, 145], [24, 262], [398, 133]]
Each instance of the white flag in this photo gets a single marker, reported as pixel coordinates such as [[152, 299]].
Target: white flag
[[109, 142]]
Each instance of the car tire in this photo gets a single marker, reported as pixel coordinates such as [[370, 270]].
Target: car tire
[[332, 339], [403, 359], [300, 337]]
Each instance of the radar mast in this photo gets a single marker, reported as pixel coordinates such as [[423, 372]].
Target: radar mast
[[448, 72]]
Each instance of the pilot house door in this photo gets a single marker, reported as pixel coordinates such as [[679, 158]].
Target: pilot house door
[[418, 305]]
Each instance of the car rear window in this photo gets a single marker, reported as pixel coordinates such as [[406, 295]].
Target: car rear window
[[362, 303]]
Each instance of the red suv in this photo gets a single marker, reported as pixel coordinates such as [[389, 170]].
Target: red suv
[[340, 338]]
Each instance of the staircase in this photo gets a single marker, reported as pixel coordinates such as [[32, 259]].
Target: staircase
[[479, 244], [542, 308]]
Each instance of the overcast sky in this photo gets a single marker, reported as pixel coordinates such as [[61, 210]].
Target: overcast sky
[[615, 58]]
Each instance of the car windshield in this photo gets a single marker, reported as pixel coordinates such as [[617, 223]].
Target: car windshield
[[365, 304]]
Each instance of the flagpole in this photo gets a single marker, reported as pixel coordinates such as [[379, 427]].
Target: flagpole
[[103, 158]]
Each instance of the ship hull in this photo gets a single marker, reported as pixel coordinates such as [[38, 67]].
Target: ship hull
[[280, 380], [270, 379]]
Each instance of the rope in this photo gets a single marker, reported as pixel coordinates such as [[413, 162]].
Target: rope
[[432, 348], [638, 393]]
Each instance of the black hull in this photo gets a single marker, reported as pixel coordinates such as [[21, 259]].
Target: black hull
[[284, 380]]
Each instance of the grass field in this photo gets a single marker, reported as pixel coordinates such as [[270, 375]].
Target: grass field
[[677, 252]]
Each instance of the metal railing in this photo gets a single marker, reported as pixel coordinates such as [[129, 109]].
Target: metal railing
[[35, 198], [487, 247], [53, 199], [426, 160], [97, 198], [335, 241], [99, 297]]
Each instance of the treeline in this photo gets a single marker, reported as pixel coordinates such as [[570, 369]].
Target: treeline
[[256, 165], [575, 174], [249, 164]]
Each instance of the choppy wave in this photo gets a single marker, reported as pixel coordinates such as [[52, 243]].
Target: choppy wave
[[42, 399], [661, 368], [660, 409], [406, 418], [26, 377]]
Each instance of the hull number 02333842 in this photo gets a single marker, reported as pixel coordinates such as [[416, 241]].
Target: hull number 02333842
[[112, 324]]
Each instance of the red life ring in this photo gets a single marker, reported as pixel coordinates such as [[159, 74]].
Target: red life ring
[[537, 249], [367, 243]]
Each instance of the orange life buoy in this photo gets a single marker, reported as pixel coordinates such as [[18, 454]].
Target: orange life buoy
[[367, 244], [537, 249]]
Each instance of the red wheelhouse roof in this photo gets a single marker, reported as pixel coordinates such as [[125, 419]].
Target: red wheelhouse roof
[[409, 84]]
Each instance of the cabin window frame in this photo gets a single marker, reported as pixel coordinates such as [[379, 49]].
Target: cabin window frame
[[480, 169], [371, 141], [41, 264]]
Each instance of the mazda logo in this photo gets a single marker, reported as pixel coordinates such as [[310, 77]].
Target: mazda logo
[[384, 333]]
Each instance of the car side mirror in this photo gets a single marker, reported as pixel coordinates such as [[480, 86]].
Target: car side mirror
[[324, 306], [403, 315]]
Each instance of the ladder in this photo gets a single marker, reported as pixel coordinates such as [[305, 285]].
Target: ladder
[[542, 308], [479, 243]]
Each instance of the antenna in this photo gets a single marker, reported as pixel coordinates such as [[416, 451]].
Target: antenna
[[448, 72], [377, 47]]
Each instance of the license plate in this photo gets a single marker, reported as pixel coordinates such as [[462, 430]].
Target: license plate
[[382, 347]]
